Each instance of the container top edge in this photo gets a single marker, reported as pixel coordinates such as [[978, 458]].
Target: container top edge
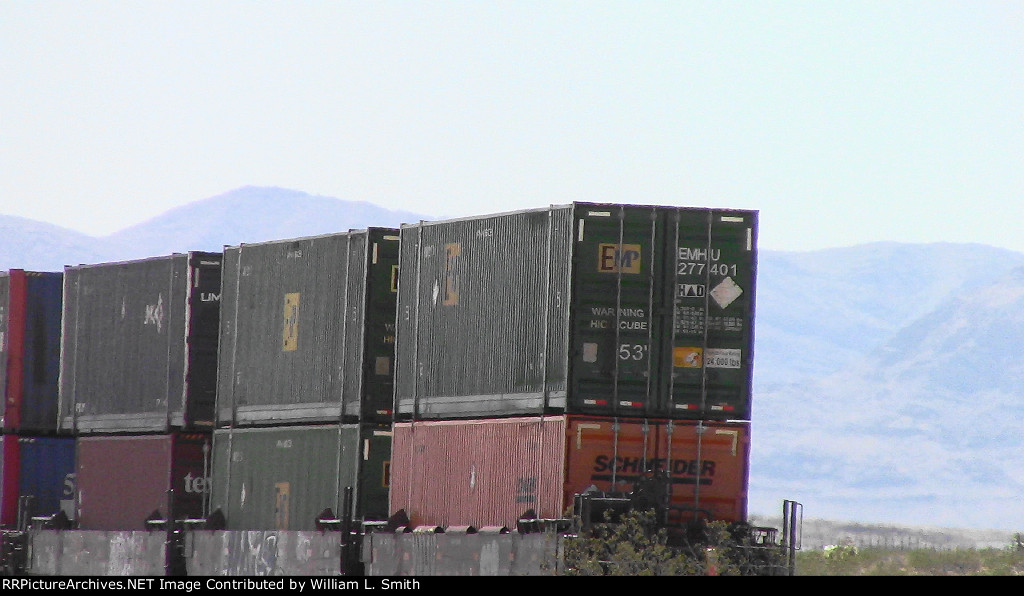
[[353, 232]]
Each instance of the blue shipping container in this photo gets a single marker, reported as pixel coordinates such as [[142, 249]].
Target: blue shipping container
[[30, 326], [47, 475]]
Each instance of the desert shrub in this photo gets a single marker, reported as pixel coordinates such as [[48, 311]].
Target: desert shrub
[[637, 545]]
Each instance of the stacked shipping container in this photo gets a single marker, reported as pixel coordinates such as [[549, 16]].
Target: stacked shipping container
[[139, 349], [305, 380], [631, 318], [30, 311], [37, 463], [539, 354], [487, 472], [137, 385]]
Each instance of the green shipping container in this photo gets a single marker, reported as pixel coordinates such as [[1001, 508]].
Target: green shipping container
[[283, 478], [595, 309]]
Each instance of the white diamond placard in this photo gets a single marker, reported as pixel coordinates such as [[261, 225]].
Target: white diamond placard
[[726, 292]]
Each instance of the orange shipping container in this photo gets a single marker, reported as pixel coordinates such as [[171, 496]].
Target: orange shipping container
[[490, 472]]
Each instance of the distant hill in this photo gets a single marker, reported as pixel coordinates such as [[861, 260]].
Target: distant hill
[[248, 214], [888, 381], [252, 214], [905, 399], [37, 246]]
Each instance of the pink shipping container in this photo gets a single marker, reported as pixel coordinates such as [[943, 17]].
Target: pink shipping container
[[122, 479], [490, 472]]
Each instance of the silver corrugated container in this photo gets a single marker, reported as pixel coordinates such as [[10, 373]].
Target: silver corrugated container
[[307, 329], [139, 344], [601, 309]]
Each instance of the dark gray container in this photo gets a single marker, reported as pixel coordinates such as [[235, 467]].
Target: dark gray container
[[601, 309], [307, 329], [139, 346]]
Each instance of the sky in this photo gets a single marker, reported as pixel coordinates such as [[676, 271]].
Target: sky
[[842, 122]]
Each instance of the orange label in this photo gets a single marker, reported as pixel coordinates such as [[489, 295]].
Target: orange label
[[687, 357]]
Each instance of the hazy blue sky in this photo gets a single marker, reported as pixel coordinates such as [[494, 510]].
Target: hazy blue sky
[[842, 122]]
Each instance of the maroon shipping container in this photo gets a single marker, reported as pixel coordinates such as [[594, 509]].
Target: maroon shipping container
[[123, 479], [490, 472]]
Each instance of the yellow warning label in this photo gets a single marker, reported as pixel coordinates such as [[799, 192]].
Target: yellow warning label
[[291, 322], [687, 357], [282, 504], [451, 286], [611, 258]]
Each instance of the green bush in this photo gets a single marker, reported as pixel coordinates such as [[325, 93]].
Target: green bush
[[636, 545]]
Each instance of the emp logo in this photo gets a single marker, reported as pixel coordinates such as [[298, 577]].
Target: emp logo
[[613, 258]]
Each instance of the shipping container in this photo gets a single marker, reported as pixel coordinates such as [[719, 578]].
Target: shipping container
[[122, 480], [284, 477], [139, 348], [307, 333], [618, 310], [30, 319], [46, 481], [9, 472], [490, 472]]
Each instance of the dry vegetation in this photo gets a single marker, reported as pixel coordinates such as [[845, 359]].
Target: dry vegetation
[[850, 560], [637, 546]]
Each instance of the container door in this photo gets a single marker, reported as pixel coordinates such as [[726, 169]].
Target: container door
[[382, 293], [617, 286], [709, 339], [191, 469], [687, 469], [204, 325], [374, 474]]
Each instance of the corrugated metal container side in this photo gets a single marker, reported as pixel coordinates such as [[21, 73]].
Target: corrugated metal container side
[[139, 348], [30, 320], [491, 472], [307, 332], [9, 476], [122, 479], [282, 478], [47, 475], [598, 309]]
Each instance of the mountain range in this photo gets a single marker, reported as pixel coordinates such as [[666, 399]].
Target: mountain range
[[887, 383]]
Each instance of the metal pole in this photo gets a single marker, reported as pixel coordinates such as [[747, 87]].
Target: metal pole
[[169, 534], [346, 531], [790, 541]]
